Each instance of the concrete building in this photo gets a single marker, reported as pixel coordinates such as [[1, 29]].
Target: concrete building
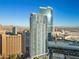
[[38, 30], [58, 56], [72, 37], [8, 28], [26, 43], [10, 44], [13, 44], [14, 30]]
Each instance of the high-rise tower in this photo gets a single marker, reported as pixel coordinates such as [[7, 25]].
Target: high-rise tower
[[48, 12], [14, 30], [38, 29]]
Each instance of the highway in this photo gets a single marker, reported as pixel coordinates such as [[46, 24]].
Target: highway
[[72, 45], [68, 48]]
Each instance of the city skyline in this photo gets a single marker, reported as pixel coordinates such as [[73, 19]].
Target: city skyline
[[17, 12], [39, 29]]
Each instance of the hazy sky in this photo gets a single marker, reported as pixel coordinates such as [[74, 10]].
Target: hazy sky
[[17, 12]]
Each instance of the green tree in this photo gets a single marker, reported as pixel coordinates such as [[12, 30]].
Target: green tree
[[46, 57], [12, 56], [36, 58], [18, 56]]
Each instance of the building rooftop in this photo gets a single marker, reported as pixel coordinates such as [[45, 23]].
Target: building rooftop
[[73, 45], [46, 7]]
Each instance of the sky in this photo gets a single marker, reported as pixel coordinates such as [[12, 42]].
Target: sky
[[17, 12]]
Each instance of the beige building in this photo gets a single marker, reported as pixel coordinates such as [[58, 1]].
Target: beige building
[[10, 44], [13, 44], [73, 36]]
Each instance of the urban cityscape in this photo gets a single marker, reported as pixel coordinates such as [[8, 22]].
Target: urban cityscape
[[41, 39]]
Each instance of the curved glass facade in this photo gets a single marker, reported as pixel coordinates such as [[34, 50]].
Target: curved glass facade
[[48, 12]]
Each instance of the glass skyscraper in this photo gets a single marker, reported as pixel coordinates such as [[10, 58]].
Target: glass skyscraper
[[38, 29], [48, 12]]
